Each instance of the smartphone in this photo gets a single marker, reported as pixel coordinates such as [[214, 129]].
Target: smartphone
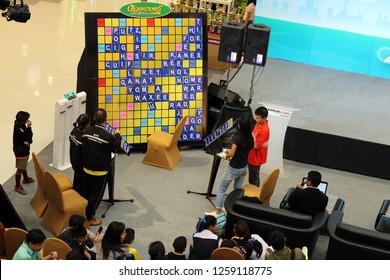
[[100, 230]]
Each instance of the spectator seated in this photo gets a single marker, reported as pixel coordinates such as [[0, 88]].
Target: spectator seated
[[300, 229], [348, 242]]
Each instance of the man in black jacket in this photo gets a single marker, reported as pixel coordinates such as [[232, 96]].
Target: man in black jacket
[[309, 199], [97, 147]]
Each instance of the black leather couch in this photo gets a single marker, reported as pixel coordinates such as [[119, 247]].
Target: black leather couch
[[348, 242], [299, 229]]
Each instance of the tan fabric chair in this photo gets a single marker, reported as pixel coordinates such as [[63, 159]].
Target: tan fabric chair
[[266, 190], [55, 244], [162, 148], [13, 238], [62, 203], [39, 200], [225, 253]]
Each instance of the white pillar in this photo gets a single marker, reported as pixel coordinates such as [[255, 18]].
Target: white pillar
[[66, 113], [278, 119]]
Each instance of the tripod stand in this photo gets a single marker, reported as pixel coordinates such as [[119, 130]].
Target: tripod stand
[[213, 175], [110, 182]]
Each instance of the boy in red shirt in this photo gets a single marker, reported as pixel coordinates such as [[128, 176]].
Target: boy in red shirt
[[258, 155]]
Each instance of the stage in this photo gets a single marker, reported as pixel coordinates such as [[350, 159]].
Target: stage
[[341, 119]]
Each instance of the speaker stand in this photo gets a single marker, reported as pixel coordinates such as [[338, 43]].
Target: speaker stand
[[110, 183], [227, 83], [251, 89]]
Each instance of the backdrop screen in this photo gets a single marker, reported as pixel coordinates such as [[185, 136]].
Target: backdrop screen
[[148, 73]]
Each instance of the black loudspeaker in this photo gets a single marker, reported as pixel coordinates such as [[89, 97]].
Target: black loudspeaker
[[215, 101], [231, 41], [256, 44]]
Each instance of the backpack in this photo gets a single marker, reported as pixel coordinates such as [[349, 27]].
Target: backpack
[[221, 220]]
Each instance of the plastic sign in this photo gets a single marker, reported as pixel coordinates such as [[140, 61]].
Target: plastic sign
[[70, 95], [145, 10]]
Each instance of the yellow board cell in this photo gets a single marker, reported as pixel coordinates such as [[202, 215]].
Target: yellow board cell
[[122, 39], [101, 99], [151, 64], [100, 39], [137, 139], [165, 55], [179, 88], [107, 22], [150, 122], [144, 47], [172, 38], [165, 119], [115, 100], [157, 114], [199, 103], [137, 106], [192, 71], [158, 64], [178, 30], [150, 39], [178, 38], [100, 31], [109, 56], [115, 82], [164, 40], [137, 73], [144, 64], [115, 22], [115, 56], [144, 22], [109, 108], [172, 96], [130, 97], [199, 63], [186, 63], [172, 80], [151, 89], [153, 129], [191, 21], [123, 100], [137, 22], [109, 82], [172, 47], [101, 57], [144, 107], [130, 40], [171, 22], [157, 48], [123, 73], [158, 55], [192, 47], [102, 74], [157, 30], [172, 88], [144, 130], [144, 138], [144, 30], [151, 31], [164, 105], [164, 22], [137, 122], [108, 40], [184, 21], [137, 115], [172, 120], [157, 22], [179, 96], [199, 71], [192, 103]]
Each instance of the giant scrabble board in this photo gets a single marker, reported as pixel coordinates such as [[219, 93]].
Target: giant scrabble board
[[148, 73]]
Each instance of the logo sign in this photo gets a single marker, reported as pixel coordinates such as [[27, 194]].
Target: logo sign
[[145, 10], [219, 132]]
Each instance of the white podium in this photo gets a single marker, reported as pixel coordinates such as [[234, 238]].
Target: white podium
[[278, 119], [66, 113]]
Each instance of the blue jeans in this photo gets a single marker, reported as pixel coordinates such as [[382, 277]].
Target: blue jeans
[[238, 175]]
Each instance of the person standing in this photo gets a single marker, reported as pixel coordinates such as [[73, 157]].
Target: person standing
[[22, 139], [238, 155], [97, 147], [258, 155], [249, 15], [76, 146]]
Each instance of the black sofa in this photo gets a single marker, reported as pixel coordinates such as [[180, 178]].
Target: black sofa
[[348, 242], [299, 229]]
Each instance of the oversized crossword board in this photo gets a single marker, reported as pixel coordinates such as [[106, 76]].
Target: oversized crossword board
[[148, 73]]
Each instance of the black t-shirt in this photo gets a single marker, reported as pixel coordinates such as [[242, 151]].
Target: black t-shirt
[[240, 158]]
